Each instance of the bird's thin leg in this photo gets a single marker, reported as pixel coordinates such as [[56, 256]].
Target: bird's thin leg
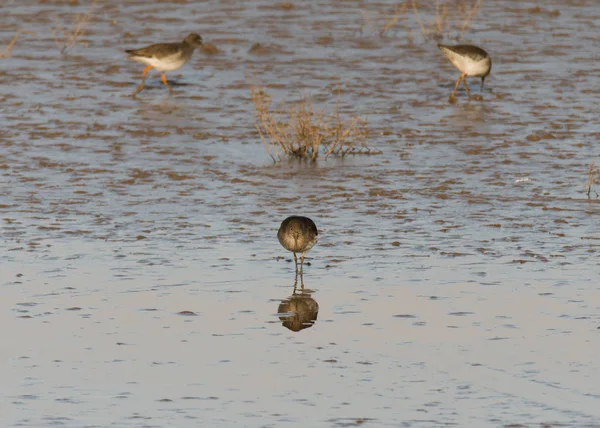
[[301, 280], [466, 86], [481, 88], [296, 262], [141, 85], [456, 86], [146, 70], [301, 264], [163, 77]]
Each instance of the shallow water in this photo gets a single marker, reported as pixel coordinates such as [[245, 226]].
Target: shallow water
[[456, 275]]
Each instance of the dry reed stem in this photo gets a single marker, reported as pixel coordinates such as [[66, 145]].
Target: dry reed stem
[[441, 18], [593, 178], [6, 52], [470, 14], [70, 36], [451, 16], [382, 23], [301, 130]]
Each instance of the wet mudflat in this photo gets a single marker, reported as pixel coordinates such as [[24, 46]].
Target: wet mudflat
[[456, 275]]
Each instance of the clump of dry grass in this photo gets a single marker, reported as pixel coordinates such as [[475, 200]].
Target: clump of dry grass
[[447, 18], [304, 131], [593, 178], [68, 36]]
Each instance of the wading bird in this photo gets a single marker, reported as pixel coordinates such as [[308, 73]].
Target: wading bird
[[165, 57], [470, 61], [298, 235]]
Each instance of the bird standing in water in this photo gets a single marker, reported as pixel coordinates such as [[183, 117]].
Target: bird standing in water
[[470, 61], [165, 57], [298, 235]]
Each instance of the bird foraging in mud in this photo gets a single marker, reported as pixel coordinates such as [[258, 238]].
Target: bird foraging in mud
[[298, 234], [165, 57], [470, 61]]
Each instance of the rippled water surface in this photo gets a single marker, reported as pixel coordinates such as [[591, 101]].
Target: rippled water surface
[[455, 282]]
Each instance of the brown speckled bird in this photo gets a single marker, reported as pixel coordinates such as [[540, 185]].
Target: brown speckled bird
[[470, 61], [298, 235], [165, 57]]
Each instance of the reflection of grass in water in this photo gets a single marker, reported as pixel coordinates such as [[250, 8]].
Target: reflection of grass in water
[[302, 130], [66, 37], [593, 178], [436, 20]]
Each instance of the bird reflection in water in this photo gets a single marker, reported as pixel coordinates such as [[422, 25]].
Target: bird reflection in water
[[300, 310]]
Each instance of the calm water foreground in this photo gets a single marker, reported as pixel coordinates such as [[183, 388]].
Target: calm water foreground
[[456, 277]]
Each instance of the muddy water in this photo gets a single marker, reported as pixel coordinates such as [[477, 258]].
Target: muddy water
[[456, 278]]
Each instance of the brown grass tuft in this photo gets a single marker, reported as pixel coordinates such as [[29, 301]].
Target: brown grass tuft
[[66, 37], [304, 131], [382, 23], [593, 178], [447, 18]]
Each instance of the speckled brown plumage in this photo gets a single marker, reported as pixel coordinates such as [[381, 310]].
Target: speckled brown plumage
[[470, 61], [165, 57], [298, 234]]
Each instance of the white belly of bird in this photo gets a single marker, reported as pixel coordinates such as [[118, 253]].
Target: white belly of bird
[[168, 63], [472, 68], [478, 68]]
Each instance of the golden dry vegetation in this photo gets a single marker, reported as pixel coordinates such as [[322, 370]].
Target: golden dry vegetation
[[305, 131]]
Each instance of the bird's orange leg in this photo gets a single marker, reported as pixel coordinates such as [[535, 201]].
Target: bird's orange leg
[[164, 80], [146, 70], [141, 86], [462, 76], [466, 87]]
